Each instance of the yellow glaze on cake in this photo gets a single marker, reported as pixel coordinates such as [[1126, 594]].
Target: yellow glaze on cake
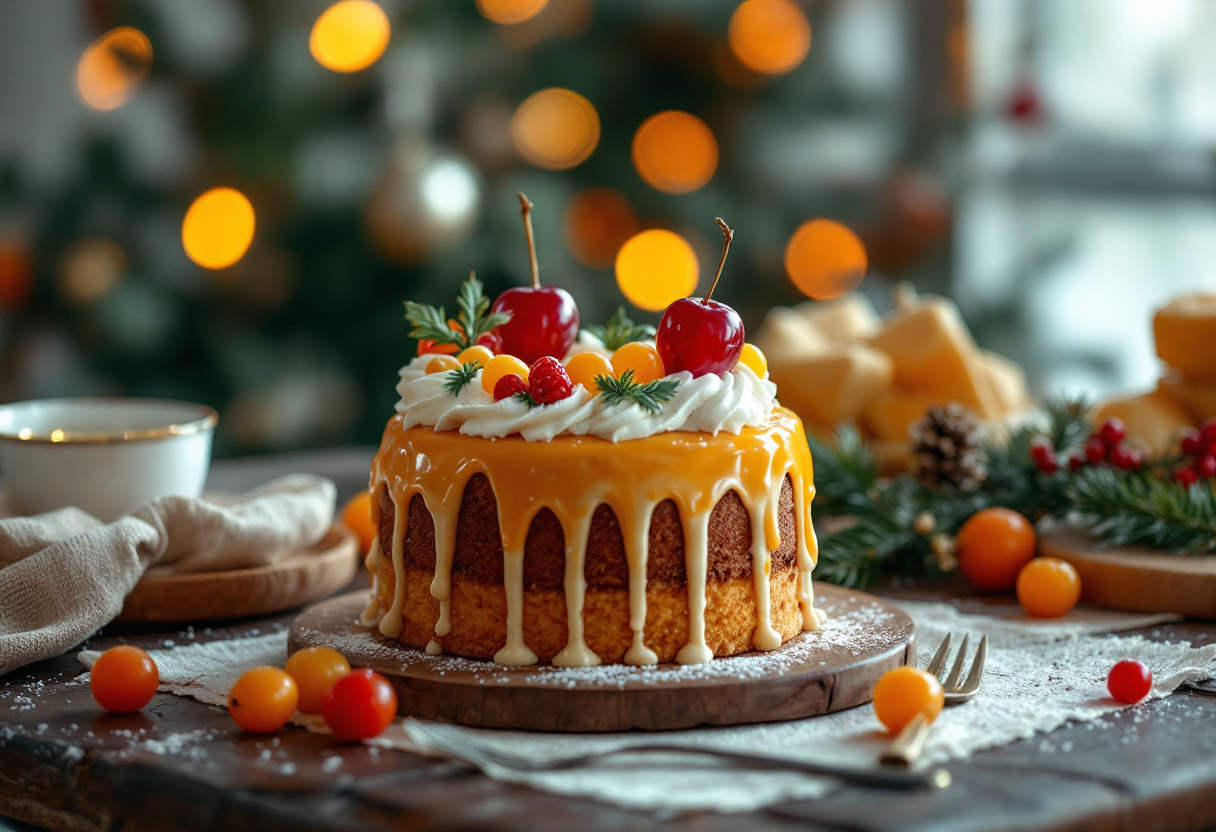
[[572, 476]]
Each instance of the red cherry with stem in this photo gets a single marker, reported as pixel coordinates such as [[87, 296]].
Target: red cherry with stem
[[1095, 451], [1129, 681], [1186, 477], [1191, 442], [544, 319], [701, 336], [1205, 466], [1112, 431], [360, 705]]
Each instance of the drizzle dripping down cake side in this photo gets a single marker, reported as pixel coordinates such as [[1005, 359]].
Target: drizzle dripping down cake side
[[551, 495]]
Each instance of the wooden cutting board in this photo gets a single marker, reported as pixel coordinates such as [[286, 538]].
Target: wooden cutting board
[[817, 673], [296, 580], [1136, 578]]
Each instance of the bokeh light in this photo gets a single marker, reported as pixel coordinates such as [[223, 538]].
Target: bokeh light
[[90, 269], [825, 259], [218, 228], [770, 36], [675, 152], [113, 68], [655, 268], [510, 11], [556, 128], [598, 222], [16, 274], [350, 35]]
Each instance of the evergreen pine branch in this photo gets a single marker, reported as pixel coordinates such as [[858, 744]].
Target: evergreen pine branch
[[460, 378], [1013, 479], [471, 318], [1136, 507], [845, 472], [472, 305], [651, 395], [620, 330]]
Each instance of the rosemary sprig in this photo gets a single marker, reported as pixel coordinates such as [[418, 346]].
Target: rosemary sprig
[[651, 395], [473, 322], [526, 398], [620, 330], [460, 378]]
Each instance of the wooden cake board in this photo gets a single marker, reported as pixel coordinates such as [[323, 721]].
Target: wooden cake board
[[1136, 578], [298, 579], [816, 673]]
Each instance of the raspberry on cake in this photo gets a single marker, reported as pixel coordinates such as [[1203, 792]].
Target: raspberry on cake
[[576, 518]]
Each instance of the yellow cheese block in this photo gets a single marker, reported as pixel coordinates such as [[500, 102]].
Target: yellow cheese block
[[785, 333], [848, 318], [834, 387], [1007, 381], [1186, 336], [1196, 397], [892, 413], [1153, 418], [935, 355]]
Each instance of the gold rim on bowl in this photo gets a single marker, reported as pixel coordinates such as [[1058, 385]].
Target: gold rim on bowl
[[207, 420]]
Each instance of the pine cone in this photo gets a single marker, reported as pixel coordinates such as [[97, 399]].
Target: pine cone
[[947, 450]]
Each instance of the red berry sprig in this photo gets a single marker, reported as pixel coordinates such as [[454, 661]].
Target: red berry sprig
[[1199, 446], [1105, 446], [547, 381]]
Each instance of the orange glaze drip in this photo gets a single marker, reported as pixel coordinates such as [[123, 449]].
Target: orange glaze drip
[[572, 476]]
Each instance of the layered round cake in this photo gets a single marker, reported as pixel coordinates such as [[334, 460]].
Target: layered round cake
[[610, 499]]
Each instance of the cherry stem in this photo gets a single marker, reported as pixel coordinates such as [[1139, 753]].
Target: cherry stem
[[727, 236], [525, 207]]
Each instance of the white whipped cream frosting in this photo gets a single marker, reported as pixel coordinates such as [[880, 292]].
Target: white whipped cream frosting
[[711, 403]]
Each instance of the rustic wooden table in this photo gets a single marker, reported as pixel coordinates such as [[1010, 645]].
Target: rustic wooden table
[[182, 765]]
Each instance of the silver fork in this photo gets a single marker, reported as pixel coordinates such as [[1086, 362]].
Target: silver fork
[[907, 746], [456, 743]]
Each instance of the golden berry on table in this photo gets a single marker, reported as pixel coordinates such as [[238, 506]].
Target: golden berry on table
[[357, 516], [993, 546], [903, 693], [1048, 587], [123, 679], [476, 354], [263, 699], [586, 367], [752, 358], [442, 364], [499, 366], [644, 360], [315, 670]]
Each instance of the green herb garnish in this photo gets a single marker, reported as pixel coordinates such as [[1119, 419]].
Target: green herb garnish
[[651, 395], [526, 398], [620, 330], [459, 379], [432, 323]]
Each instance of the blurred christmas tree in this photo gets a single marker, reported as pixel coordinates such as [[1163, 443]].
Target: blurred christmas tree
[[379, 148]]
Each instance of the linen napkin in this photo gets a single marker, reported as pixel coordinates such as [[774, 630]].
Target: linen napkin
[[64, 574]]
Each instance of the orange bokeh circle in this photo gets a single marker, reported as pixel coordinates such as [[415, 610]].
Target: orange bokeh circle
[[675, 152], [770, 36], [218, 228], [350, 35], [655, 268], [556, 128], [825, 259], [598, 222], [510, 11], [113, 68]]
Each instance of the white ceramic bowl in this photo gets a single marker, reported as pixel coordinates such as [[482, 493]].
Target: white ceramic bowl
[[106, 456]]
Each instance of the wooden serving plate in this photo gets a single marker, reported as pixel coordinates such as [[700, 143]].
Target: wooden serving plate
[[813, 674], [296, 580], [1136, 578]]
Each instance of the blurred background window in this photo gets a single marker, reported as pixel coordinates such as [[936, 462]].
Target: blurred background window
[[227, 201]]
